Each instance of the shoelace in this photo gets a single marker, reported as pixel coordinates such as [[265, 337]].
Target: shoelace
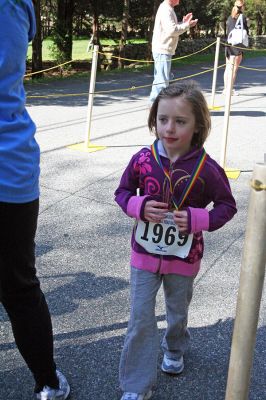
[[45, 393], [131, 396]]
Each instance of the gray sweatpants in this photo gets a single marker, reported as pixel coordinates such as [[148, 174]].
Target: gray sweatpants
[[138, 363]]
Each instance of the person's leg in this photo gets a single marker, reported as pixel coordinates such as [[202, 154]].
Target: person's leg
[[162, 68], [138, 363], [237, 61], [178, 293], [227, 69], [20, 291]]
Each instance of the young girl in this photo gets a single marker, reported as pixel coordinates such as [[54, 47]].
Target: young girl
[[176, 181]]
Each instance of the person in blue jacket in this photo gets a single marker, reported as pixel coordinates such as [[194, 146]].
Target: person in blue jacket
[[20, 291]]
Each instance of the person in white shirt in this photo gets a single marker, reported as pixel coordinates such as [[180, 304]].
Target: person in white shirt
[[164, 42]]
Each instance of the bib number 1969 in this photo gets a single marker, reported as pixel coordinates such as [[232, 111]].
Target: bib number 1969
[[163, 238]]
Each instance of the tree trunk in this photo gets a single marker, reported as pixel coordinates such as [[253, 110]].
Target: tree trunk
[[96, 31], [37, 43], [63, 29], [123, 38], [155, 8], [95, 24], [259, 24]]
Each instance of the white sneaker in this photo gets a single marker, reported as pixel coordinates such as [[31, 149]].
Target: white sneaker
[[171, 366], [234, 93], [137, 396], [49, 393]]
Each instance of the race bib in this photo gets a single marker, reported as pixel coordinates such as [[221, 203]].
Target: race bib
[[163, 238]]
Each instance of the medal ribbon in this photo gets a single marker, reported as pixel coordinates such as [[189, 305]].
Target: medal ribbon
[[193, 177]]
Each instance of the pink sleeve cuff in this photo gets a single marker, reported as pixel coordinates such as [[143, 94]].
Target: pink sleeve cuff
[[199, 219], [134, 206]]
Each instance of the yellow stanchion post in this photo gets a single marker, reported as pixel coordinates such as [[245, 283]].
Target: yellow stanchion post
[[87, 146], [250, 290], [214, 80], [230, 172]]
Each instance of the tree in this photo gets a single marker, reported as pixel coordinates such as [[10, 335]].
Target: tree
[[104, 9], [48, 15], [65, 17], [140, 15], [95, 22], [257, 11], [123, 33], [152, 20], [37, 42], [63, 30]]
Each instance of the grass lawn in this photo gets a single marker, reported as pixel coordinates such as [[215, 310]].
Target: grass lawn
[[80, 53], [80, 46], [199, 58]]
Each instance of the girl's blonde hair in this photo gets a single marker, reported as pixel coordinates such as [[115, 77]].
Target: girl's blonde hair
[[237, 9], [191, 92]]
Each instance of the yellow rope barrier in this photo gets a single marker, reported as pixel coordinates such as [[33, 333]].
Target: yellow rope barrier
[[117, 57], [151, 61], [124, 89], [57, 95], [127, 59], [241, 48], [253, 69], [244, 49], [142, 86], [144, 61], [196, 52], [49, 69]]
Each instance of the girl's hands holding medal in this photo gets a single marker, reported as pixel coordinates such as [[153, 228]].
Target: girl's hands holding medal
[[181, 220], [155, 211]]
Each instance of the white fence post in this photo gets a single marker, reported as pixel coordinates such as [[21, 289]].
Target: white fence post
[[91, 94], [227, 112], [216, 61], [250, 290]]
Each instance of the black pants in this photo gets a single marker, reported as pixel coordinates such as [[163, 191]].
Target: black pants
[[20, 291]]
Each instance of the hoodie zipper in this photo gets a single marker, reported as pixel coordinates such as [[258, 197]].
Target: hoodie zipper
[[170, 198]]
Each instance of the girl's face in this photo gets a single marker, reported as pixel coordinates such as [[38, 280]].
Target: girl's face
[[175, 125]]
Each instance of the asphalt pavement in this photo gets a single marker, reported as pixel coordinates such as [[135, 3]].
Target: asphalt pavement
[[83, 239]]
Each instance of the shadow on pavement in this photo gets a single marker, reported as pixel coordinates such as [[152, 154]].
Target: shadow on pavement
[[92, 368]]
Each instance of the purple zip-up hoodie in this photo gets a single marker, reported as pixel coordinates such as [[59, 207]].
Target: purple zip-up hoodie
[[211, 186]]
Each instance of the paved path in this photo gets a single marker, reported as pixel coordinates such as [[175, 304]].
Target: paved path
[[83, 239]]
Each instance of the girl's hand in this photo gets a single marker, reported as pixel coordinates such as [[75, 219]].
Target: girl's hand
[[155, 211], [181, 220]]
